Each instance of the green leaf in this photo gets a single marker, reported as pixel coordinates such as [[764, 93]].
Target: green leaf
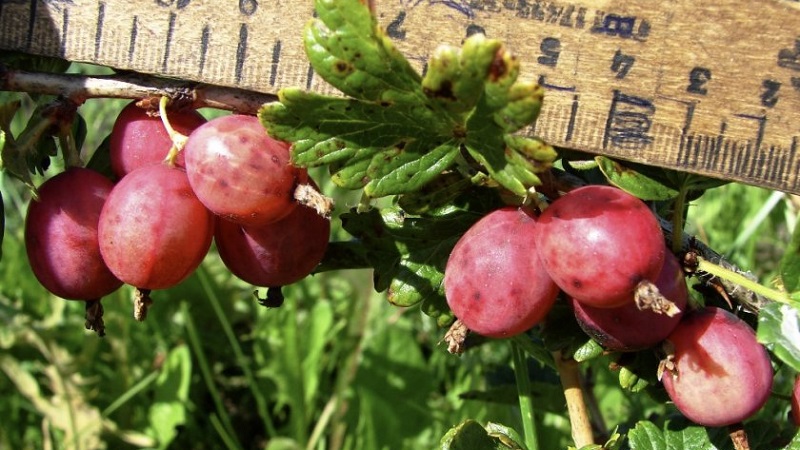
[[654, 183], [408, 253], [168, 410], [647, 436], [390, 395], [439, 193], [560, 330], [470, 435], [395, 131], [33, 63], [348, 50], [590, 350], [779, 330], [633, 182], [2, 205], [790, 264], [507, 435], [630, 380], [100, 161], [30, 152], [283, 443]]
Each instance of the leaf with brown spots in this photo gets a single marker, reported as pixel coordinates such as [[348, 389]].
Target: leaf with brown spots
[[396, 131]]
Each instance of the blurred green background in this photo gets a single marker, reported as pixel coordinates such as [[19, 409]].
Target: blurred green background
[[336, 367]]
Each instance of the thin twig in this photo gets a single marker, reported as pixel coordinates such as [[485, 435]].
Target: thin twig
[[579, 420], [79, 88]]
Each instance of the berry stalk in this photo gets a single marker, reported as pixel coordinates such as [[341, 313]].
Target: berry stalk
[[178, 139]]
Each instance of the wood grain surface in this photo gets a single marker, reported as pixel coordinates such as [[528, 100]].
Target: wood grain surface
[[709, 87]]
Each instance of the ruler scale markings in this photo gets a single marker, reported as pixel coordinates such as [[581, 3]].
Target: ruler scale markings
[[742, 156], [712, 155], [205, 38], [241, 52], [276, 58], [98, 37], [736, 154], [727, 155], [31, 24], [687, 124], [168, 41], [62, 47], [668, 51], [780, 163], [717, 150], [758, 147], [573, 113], [695, 150], [309, 77], [793, 161], [685, 150], [770, 168], [753, 160], [745, 158], [701, 149], [762, 161], [132, 42]]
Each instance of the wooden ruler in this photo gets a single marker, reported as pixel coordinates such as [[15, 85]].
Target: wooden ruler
[[710, 87]]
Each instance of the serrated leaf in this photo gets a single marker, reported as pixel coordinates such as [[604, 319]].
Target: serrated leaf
[[397, 131], [408, 253], [779, 329], [647, 436], [348, 50]]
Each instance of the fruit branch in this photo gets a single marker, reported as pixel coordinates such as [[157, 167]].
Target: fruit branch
[[569, 373], [738, 284], [732, 276], [79, 88]]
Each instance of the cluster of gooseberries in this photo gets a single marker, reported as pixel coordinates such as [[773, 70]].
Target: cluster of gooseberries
[[86, 235], [603, 251]]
